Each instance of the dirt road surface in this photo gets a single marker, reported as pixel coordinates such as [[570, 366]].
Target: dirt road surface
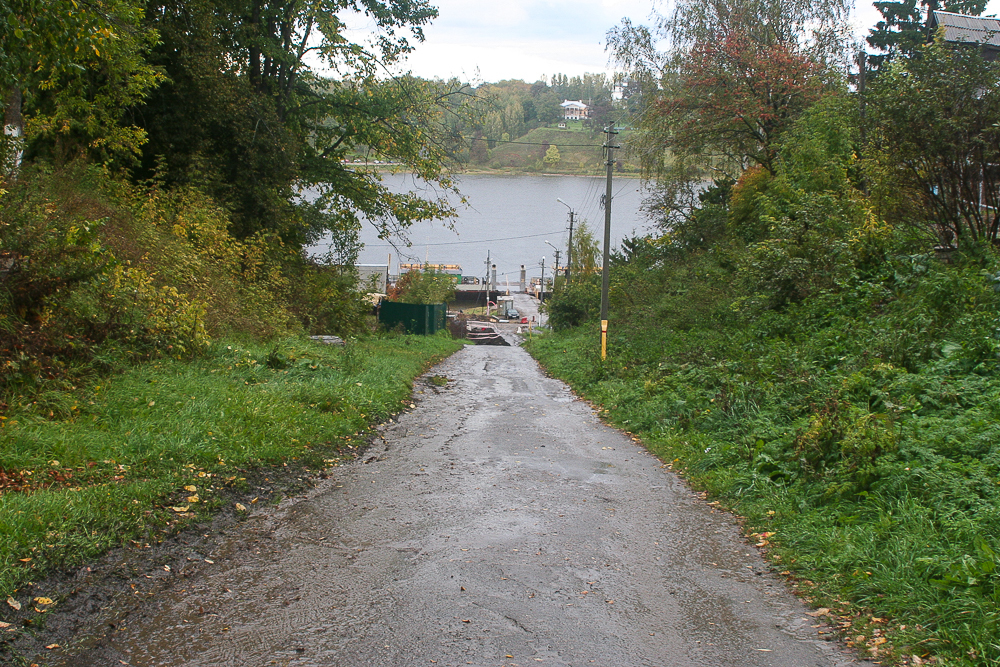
[[499, 523]]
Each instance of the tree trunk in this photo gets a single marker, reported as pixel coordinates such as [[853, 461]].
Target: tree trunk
[[13, 127]]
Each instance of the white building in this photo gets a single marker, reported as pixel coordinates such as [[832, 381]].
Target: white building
[[575, 110], [373, 276]]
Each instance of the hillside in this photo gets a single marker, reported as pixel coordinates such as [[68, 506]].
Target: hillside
[[580, 152]]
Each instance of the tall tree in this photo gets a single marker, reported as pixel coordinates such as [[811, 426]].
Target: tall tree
[[935, 143], [69, 70], [733, 77], [268, 96]]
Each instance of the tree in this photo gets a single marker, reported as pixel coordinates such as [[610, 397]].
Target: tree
[[735, 98], [552, 156], [735, 75], [935, 143], [251, 116], [586, 252], [425, 286], [68, 72]]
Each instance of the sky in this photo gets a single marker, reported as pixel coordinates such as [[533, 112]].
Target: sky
[[491, 40]]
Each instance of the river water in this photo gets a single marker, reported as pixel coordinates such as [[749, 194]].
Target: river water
[[510, 218]]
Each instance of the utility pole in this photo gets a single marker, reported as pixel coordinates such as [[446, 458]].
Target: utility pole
[[555, 267], [569, 248], [486, 283], [541, 286], [606, 279], [862, 72]]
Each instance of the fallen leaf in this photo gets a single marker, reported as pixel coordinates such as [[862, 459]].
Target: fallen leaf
[[241, 507], [210, 562], [819, 612], [509, 655], [166, 568], [193, 499], [43, 600], [24, 560], [14, 603], [52, 646], [465, 620], [4, 625], [180, 510], [191, 488]]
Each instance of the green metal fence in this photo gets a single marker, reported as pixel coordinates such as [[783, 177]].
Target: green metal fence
[[416, 318]]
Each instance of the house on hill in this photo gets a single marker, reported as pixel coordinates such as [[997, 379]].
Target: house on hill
[[575, 110], [965, 29]]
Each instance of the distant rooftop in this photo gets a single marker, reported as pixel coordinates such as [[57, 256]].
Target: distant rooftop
[[964, 29]]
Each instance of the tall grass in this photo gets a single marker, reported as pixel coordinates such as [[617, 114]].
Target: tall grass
[[158, 445], [857, 430]]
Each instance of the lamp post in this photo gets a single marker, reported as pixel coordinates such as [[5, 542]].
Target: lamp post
[[555, 267], [569, 248]]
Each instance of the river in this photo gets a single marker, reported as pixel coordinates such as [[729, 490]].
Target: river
[[509, 218]]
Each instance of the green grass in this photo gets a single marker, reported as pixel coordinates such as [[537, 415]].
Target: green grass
[[110, 461], [861, 435]]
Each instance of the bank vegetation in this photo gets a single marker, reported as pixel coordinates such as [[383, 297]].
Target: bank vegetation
[[813, 335]]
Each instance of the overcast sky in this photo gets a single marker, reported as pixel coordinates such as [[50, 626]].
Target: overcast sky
[[491, 40]]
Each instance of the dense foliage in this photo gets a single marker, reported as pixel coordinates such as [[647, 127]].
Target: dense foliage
[[814, 339], [425, 286]]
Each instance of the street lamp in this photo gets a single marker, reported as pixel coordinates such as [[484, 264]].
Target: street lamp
[[569, 248], [555, 268]]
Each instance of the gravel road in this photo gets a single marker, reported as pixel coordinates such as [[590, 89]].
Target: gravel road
[[497, 523]]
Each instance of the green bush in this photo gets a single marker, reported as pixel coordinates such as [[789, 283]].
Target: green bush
[[94, 273], [575, 303]]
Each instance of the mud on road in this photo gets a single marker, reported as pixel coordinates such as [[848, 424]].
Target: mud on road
[[498, 523]]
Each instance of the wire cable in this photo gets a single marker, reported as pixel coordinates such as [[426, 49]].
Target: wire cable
[[390, 245]]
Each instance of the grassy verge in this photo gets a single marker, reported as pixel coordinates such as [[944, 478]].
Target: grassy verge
[[859, 444], [158, 446]]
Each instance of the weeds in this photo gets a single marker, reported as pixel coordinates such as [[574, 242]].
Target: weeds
[[857, 426]]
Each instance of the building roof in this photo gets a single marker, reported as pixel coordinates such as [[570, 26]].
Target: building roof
[[961, 28], [573, 103]]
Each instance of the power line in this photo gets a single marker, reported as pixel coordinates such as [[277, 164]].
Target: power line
[[422, 245]]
